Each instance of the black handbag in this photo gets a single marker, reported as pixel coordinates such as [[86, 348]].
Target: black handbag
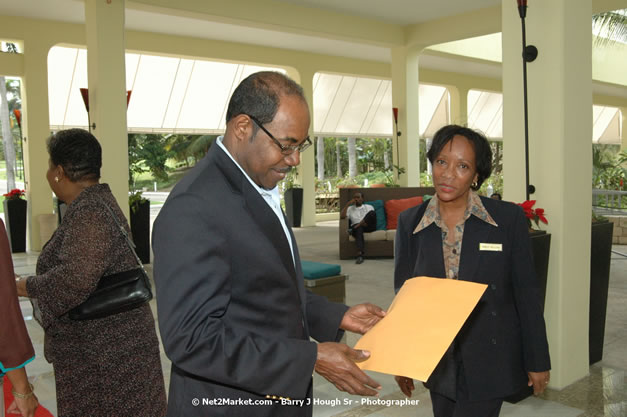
[[116, 293]]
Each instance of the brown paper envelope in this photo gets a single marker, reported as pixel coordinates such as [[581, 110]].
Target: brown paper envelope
[[424, 318]]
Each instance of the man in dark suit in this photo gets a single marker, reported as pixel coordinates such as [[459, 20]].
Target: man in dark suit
[[234, 316]]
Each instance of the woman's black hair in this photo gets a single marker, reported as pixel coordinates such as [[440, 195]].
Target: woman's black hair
[[78, 152], [483, 152]]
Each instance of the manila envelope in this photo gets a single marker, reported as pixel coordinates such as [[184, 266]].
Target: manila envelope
[[424, 318]]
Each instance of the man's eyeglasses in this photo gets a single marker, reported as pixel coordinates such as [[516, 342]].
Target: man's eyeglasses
[[285, 149]]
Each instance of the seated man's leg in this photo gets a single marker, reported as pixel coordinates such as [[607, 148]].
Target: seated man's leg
[[370, 222], [369, 225]]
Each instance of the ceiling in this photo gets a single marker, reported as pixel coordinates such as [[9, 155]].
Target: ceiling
[[141, 18], [397, 12], [402, 12]]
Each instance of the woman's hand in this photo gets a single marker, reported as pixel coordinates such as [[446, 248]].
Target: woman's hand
[[539, 381], [405, 384], [20, 282], [24, 406]]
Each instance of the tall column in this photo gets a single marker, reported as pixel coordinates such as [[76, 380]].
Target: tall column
[[35, 131], [560, 133], [104, 21], [458, 104], [406, 152], [306, 169], [623, 130]]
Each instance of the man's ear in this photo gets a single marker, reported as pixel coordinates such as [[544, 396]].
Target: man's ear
[[242, 126]]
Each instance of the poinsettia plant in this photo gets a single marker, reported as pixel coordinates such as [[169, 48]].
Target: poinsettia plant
[[536, 215], [14, 194]]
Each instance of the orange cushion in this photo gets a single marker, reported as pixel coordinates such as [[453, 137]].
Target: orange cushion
[[394, 207]]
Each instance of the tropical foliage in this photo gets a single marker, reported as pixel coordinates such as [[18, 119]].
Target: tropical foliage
[[610, 27]]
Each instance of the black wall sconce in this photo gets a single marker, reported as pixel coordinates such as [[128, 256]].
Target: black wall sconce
[[529, 54]]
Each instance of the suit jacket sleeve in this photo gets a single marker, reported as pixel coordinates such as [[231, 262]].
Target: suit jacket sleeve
[[527, 299], [194, 286], [403, 260], [324, 318]]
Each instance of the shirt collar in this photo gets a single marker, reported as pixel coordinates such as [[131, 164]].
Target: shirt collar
[[273, 193], [475, 207]]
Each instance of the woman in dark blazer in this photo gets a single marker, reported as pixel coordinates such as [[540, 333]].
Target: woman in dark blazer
[[459, 235]]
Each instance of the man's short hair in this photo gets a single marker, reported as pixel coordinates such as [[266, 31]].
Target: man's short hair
[[259, 95]]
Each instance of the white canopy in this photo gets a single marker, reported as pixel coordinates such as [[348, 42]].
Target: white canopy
[[181, 95]]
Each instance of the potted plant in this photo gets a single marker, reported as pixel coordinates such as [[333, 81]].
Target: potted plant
[[140, 224], [293, 198], [15, 215]]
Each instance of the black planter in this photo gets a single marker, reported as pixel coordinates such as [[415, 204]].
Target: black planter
[[15, 216], [600, 254], [140, 230], [293, 205], [540, 249]]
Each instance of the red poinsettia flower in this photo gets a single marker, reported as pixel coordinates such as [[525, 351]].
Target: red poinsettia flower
[[14, 194], [535, 215]]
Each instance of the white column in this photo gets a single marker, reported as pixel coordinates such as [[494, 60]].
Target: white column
[[560, 132], [458, 104], [104, 21], [35, 131], [405, 98], [306, 169], [623, 130]]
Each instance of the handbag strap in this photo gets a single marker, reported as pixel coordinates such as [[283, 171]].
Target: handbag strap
[[131, 245]]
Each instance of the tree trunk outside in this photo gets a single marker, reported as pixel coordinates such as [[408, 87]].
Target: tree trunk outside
[[7, 135], [352, 158], [338, 157], [320, 157], [386, 160]]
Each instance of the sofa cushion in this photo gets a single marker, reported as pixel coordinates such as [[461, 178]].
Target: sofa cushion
[[380, 211], [313, 270], [376, 235], [390, 234], [394, 207]]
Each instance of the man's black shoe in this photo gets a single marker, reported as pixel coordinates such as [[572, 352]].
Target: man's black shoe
[[360, 260]]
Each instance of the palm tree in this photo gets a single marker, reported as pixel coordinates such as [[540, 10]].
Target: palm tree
[[610, 27], [7, 134]]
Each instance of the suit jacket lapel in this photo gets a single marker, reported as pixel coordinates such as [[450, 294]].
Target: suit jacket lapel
[[476, 231], [299, 270], [433, 253], [259, 210]]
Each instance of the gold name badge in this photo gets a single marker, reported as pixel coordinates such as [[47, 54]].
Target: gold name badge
[[493, 247]]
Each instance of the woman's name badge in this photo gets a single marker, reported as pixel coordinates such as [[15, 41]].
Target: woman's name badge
[[493, 247]]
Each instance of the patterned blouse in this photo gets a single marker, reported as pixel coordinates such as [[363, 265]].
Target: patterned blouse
[[452, 251]]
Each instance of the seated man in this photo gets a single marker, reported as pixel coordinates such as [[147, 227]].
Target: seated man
[[361, 219]]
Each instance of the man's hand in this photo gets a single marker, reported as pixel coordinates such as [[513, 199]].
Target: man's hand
[[405, 384], [361, 317], [539, 380], [336, 363]]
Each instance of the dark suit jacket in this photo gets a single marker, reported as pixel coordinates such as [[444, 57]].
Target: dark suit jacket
[[234, 316], [505, 335]]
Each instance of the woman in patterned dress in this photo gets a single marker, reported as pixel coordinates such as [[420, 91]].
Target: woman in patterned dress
[[103, 367]]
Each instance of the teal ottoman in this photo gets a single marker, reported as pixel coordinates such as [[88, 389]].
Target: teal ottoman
[[325, 279]]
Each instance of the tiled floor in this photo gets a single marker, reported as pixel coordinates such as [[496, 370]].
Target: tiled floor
[[602, 393]]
